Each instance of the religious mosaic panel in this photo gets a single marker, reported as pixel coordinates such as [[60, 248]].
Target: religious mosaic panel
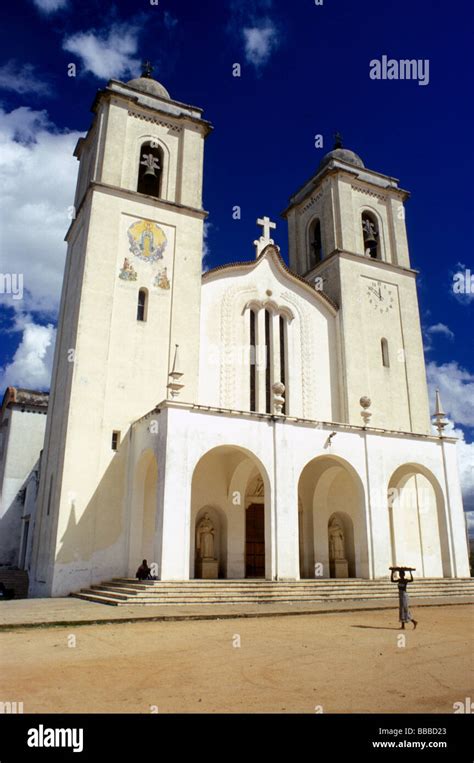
[[149, 255]]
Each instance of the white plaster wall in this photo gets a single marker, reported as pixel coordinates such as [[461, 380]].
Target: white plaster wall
[[224, 378], [281, 451], [120, 366], [398, 394], [23, 443]]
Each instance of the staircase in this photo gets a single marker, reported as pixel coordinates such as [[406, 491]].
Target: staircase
[[125, 591]]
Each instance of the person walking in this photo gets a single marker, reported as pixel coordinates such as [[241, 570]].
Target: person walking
[[404, 613]]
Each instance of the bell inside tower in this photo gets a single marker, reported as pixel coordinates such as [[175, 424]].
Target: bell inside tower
[[150, 170], [371, 236]]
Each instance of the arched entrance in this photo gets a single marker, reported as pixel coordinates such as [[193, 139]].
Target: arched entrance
[[332, 523], [231, 485], [418, 532]]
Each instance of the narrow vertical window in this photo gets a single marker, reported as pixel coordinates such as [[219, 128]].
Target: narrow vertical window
[[268, 391], [315, 244], [385, 355], [283, 359], [115, 440], [150, 169], [142, 305], [253, 361]]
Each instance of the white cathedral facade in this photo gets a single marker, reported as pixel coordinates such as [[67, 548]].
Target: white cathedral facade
[[255, 421]]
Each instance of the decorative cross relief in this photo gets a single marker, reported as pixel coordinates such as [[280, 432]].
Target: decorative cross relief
[[264, 240]]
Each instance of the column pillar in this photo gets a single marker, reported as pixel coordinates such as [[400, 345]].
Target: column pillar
[[285, 501], [260, 361], [173, 516]]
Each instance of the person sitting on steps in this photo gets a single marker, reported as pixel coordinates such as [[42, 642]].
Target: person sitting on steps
[[144, 571]]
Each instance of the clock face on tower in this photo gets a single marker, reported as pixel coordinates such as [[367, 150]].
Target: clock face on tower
[[380, 296]]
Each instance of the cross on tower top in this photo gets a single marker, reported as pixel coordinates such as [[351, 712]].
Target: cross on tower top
[[147, 68]]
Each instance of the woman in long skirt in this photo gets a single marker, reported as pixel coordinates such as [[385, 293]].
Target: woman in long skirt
[[404, 614]]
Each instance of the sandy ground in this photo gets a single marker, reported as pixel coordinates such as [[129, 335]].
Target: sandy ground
[[347, 662]]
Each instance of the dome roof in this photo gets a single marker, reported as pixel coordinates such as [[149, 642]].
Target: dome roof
[[342, 155], [150, 86]]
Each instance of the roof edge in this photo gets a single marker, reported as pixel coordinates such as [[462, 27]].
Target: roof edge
[[273, 251]]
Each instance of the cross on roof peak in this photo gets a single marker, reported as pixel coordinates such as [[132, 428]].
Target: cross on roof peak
[[265, 239], [267, 226]]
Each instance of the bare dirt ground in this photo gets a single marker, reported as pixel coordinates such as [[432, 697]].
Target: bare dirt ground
[[347, 662]]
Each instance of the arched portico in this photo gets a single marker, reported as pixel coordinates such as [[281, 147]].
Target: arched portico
[[332, 521], [231, 484], [417, 518]]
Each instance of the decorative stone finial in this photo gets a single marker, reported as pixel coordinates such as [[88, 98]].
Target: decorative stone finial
[[365, 403], [174, 386], [439, 417], [278, 397], [264, 239]]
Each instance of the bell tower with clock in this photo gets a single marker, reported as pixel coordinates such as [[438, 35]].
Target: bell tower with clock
[[347, 236]]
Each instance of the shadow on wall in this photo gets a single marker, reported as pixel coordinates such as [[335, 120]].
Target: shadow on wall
[[95, 533]]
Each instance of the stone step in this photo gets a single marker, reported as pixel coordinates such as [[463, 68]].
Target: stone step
[[294, 583], [166, 592], [261, 597], [223, 591], [159, 585], [123, 591], [116, 601], [288, 594]]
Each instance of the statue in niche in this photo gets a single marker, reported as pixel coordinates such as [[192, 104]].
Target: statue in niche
[[205, 538], [336, 541]]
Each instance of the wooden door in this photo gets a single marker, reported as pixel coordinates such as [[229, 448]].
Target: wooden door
[[255, 541]]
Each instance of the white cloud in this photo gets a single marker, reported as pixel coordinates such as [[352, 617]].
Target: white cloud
[[456, 386], [49, 6], [21, 78], [37, 181], [250, 23], [440, 328], [32, 363], [260, 41], [107, 53], [205, 247], [470, 522], [465, 453]]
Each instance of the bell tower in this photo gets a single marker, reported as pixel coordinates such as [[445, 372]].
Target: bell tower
[[131, 292], [347, 236]]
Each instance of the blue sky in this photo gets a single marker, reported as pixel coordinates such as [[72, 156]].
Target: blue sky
[[304, 71]]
